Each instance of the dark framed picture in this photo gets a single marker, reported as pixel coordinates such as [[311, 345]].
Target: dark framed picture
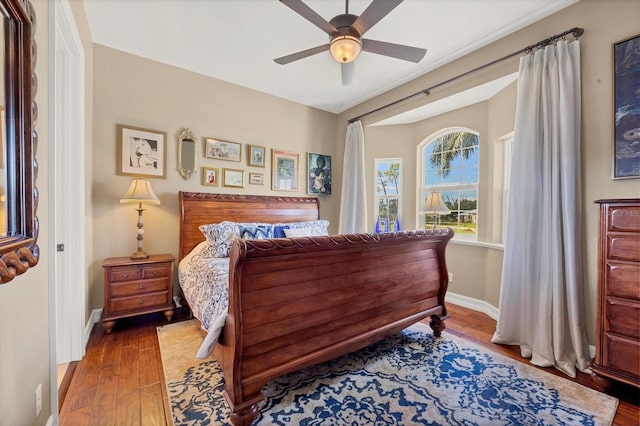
[[318, 173], [222, 150], [210, 176], [284, 170], [141, 152], [626, 59], [255, 156], [233, 178]]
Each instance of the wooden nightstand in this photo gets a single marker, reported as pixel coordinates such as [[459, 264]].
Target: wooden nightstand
[[136, 287]]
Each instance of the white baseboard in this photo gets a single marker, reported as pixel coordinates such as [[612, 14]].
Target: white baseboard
[[93, 319], [487, 308], [471, 303]]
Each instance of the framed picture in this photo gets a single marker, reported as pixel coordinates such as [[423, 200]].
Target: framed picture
[[221, 150], [318, 173], [210, 176], [141, 152], [255, 155], [284, 170], [256, 178], [233, 178], [626, 160]]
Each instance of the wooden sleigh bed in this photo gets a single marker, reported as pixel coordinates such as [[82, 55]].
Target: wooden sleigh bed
[[296, 302]]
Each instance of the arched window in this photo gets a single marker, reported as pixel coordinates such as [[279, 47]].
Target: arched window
[[450, 165]]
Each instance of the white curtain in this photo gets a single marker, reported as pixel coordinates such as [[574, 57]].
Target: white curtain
[[353, 204], [542, 291]]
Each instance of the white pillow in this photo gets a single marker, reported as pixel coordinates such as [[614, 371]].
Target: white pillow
[[302, 232]]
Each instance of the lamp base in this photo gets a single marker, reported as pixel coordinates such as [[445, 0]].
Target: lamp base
[[139, 255]]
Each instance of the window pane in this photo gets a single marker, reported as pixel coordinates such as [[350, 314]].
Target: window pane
[[469, 157], [433, 178], [469, 175], [451, 177]]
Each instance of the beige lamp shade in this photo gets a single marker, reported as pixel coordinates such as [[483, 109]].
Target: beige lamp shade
[[435, 204], [140, 191]]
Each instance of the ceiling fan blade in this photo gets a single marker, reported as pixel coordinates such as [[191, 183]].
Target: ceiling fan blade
[[301, 54], [310, 15], [400, 51], [377, 10], [348, 71]]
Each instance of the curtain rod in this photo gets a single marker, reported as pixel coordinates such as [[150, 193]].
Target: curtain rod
[[576, 32]]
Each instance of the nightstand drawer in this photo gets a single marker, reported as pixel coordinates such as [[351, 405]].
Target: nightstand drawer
[[139, 302], [137, 287], [156, 271], [124, 273]]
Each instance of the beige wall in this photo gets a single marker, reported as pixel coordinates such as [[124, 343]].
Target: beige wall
[[138, 92], [24, 302], [477, 269]]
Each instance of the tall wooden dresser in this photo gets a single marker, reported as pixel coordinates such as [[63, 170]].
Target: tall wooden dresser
[[618, 321]]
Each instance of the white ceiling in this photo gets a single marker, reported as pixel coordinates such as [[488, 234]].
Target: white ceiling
[[237, 40]]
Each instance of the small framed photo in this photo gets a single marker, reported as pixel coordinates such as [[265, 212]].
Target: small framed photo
[[141, 152], [222, 150], [255, 156], [233, 178], [318, 173], [256, 178], [210, 176], [626, 157], [284, 170]]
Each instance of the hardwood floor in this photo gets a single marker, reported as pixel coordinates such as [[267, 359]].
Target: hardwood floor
[[120, 379]]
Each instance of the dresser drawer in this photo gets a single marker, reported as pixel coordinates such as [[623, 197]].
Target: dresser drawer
[[624, 218], [623, 280], [156, 271], [622, 317], [622, 354], [139, 302], [137, 287], [624, 247], [124, 273]]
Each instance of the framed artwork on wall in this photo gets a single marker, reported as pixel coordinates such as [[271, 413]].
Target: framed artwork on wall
[[284, 170], [626, 58], [318, 173], [256, 178], [141, 152], [210, 176], [255, 156], [233, 178], [222, 150]]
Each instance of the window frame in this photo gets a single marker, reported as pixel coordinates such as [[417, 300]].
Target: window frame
[[377, 197]]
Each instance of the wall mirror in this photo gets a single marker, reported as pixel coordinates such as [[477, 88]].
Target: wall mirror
[[186, 153], [18, 196]]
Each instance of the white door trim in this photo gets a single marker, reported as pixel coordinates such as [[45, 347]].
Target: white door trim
[[66, 188]]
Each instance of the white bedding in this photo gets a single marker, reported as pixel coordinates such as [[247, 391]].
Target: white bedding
[[205, 284]]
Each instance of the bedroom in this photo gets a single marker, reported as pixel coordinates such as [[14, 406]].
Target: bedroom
[[113, 77]]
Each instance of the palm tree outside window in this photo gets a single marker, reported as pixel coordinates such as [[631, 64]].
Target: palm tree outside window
[[450, 165]]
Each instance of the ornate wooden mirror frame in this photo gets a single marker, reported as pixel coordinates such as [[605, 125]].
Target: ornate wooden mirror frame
[[186, 153], [18, 243]]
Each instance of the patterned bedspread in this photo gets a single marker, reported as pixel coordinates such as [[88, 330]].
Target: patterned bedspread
[[205, 284]]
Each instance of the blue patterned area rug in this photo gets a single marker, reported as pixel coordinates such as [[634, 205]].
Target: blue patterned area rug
[[410, 378]]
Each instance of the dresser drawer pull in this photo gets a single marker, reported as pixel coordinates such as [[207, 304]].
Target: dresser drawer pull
[[155, 273], [126, 275], [141, 287], [140, 302]]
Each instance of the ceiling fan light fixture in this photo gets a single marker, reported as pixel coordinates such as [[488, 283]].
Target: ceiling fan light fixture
[[345, 48]]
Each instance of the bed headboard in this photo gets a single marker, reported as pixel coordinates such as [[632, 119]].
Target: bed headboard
[[197, 208]]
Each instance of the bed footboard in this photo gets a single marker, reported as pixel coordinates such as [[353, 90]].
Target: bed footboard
[[295, 302]]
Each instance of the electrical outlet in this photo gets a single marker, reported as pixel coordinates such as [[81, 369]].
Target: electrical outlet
[[450, 277], [38, 399]]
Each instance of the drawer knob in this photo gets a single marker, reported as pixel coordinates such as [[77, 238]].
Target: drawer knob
[[155, 273], [140, 287], [126, 275], [140, 302]]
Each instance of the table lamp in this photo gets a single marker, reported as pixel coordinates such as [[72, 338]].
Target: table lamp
[[140, 192], [436, 206]]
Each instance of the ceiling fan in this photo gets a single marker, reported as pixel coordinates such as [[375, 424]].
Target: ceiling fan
[[345, 36]]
